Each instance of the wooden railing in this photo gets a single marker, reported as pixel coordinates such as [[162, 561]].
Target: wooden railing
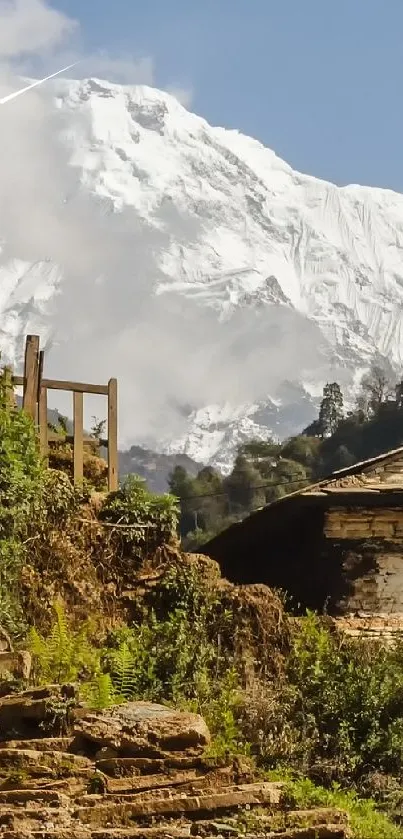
[[35, 403]]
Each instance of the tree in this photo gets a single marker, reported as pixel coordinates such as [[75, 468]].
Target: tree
[[291, 473], [263, 455], [302, 449], [376, 387], [244, 487], [21, 487], [399, 394], [331, 409], [343, 458], [314, 429], [210, 503], [98, 428], [260, 449], [179, 482], [183, 487]]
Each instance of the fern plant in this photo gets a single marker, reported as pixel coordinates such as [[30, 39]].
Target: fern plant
[[122, 666], [64, 655], [100, 692]]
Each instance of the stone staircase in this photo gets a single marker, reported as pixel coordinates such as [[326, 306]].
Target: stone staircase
[[134, 771]]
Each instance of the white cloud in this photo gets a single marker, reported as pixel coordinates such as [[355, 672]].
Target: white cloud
[[121, 69], [29, 26], [124, 69], [184, 95], [100, 330]]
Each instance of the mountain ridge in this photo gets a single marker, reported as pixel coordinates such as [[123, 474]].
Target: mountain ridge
[[246, 285]]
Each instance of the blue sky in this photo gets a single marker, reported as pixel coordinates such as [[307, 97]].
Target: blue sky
[[319, 81]]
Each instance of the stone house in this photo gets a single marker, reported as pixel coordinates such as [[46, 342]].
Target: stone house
[[335, 546]]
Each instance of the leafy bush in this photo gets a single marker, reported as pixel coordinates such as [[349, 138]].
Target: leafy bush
[[348, 700], [336, 713], [21, 476], [150, 519], [175, 659], [366, 821], [176, 655]]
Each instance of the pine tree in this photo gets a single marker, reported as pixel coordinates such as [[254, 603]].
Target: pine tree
[[331, 410]]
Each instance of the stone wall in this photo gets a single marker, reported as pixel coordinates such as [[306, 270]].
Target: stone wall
[[386, 628], [368, 545], [364, 523]]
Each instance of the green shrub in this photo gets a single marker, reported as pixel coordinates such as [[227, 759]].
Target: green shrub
[[335, 715], [151, 519], [337, 711], [21, 476], [348, 700], [366, 821], [176, 660]]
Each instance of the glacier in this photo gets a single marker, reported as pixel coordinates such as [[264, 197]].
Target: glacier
[[219, 285]]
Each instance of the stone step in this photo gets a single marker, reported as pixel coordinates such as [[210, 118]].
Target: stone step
[[147, 766], [19, 765], [23, 715], [159, 832], [33, 815], [50, 797], [48, 833], [44, 744], [77, 831], [315, 821], [72, 786], [190, 780], [127, 785], [47, 823], [104, 811], [324, 832], [80, 832]]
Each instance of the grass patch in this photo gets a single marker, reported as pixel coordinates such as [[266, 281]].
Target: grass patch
[[366, 820]]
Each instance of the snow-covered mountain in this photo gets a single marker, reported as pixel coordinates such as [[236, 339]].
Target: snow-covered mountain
[[227, 288]]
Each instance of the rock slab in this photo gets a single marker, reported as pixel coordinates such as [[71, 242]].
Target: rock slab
[[143, 729]]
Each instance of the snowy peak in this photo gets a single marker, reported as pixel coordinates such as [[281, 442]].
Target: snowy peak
[[201, 242]]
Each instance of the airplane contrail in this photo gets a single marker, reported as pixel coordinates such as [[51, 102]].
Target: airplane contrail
[[16, 93]]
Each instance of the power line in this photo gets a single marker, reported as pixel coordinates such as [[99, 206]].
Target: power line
[[226, 493]]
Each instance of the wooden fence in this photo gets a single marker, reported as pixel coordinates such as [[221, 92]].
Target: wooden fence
[[35, 403]]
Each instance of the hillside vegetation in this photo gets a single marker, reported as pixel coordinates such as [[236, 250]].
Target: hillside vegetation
[[98, 589], [266, 470]]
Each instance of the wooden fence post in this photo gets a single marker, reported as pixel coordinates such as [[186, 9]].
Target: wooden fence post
[[42, 411], [31, 372], [35, 404], [113, 480], [43, 423], [8, 387], [78, 444]]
